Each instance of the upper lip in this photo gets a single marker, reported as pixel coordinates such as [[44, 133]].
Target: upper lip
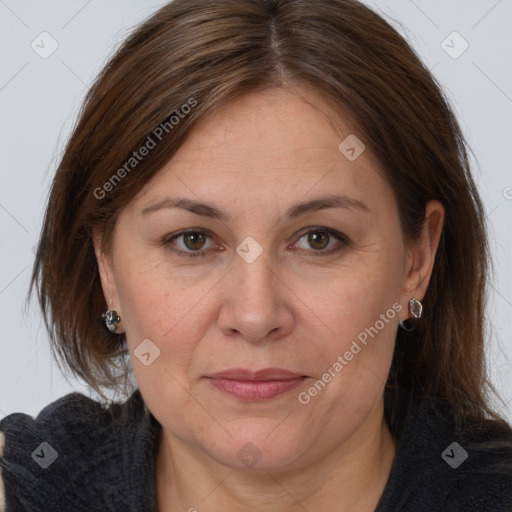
[[265, 374]]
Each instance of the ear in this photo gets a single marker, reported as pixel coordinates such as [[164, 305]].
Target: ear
[[420, 257], [105, 267]]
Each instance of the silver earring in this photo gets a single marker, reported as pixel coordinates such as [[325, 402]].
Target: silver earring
[[111, 319], [416, 310]]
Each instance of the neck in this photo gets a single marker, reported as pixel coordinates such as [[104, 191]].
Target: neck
[[352, 477]]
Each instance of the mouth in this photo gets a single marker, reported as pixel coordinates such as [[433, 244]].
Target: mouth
[[256, 386]]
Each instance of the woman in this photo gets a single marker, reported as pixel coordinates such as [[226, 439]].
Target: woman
[[273, 201]]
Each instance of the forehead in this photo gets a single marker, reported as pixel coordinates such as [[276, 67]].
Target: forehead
[[272, 125], [277, 143]]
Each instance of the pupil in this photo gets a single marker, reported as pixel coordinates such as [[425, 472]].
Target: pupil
[[314, 239], [194, 238]]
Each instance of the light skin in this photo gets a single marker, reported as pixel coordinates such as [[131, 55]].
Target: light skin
[[290, 308]]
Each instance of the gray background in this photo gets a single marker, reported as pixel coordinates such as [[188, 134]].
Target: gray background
[[39, 101]]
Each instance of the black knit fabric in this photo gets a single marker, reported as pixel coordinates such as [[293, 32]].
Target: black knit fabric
[[106, 460], [421, 478]]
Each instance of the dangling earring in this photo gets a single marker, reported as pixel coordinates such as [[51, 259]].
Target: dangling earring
[[416, 310], [111, 318]]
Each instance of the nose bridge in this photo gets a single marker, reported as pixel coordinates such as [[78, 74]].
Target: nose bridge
[[254, 305], [254, 276]]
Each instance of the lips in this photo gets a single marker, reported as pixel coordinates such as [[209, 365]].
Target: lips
[[265, 374], [256, 385]]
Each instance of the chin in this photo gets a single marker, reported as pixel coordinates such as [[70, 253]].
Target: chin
[[258, 445]]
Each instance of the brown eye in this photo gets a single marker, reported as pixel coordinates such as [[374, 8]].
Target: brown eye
[[323, 241], [318, 239], [194, 240], [191, 243]]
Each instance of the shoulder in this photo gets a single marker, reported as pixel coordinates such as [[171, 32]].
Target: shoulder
[[479, 465], [72, 451], [440, 465]]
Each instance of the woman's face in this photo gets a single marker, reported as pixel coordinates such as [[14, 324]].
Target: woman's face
[[297, 264]]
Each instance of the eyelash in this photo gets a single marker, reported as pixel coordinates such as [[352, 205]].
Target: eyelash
[[345, 242]]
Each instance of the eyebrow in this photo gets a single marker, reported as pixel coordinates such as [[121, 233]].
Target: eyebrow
[[211, 211]]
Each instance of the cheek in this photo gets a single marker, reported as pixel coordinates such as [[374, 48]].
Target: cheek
[[169, 310], [154, 295], [359, 310], [354, 297], [360, 323]]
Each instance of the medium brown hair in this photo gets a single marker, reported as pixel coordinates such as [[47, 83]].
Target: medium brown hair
[[213, 51]]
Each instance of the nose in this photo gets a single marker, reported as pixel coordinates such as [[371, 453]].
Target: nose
[[257, 304]]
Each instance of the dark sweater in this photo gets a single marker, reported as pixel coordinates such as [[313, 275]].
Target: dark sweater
[[104, 460]]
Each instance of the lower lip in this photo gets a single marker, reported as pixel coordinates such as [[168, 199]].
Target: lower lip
[[256, 390]]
